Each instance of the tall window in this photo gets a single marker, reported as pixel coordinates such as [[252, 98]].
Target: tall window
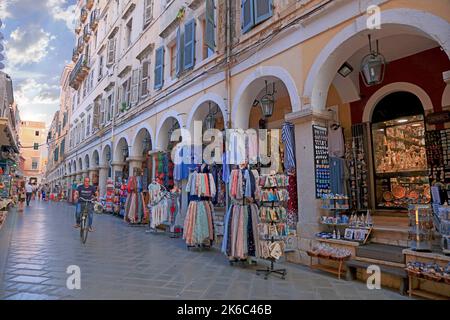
[[111, 51], [83, 129], [254, 12], [173, 61], [36, 133], [207, 51], [34, 163], [128, 33], [148, 12], [209, 30], [145, 78], [110, 106], [88, 125], [100, 68]]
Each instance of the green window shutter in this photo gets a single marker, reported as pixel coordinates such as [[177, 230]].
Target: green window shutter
[[159, 68], [210, 25], [247, 19], [189, 44], [263, 10]]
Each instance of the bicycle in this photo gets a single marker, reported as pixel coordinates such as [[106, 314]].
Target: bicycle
[[84, 228]]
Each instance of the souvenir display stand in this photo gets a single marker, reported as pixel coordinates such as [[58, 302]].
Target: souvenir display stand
[[109, 196], [429, 274], [421, 227], [272, 228], [198, 229], [324, 251], [164, 207], [241, 221]]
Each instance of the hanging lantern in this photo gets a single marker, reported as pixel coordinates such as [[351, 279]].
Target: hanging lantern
[[210, 120], [146, 144], [267, 102], [373, 67], [125, 151]]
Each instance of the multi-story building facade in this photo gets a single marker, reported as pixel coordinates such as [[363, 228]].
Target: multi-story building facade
[[9, 124], [32, 136], [58, 134], [143, 68]]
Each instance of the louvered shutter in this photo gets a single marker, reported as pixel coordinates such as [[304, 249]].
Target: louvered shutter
[[247, 15], [135, 86], [159, 68], [210, 25], [102, 112], [148, 12], [113, 104], [189, 44], [111, 50], [263, 10], [145, 73], [180, 49]]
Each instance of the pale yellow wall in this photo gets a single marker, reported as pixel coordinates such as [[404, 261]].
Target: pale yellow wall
[[27, 138]]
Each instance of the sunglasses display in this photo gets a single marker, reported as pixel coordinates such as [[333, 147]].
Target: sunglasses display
[[321, 160]]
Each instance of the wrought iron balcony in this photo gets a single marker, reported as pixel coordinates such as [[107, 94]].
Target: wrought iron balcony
[[79, 72], [83, 14], [94, 19], [86, 33], [80, 46], [75, 55]]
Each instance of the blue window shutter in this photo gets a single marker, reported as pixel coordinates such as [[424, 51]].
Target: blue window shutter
[[247, 15], [189, 44], [159, 67], [263, 10], [179, 62], [210, 25]]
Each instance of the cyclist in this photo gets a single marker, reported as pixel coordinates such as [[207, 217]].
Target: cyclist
[[85, 192]]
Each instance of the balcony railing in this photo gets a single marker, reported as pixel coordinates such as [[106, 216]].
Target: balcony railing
[[79, 72], [89, 4], [75, 55], [77, 27], [86, 33], [80, 46], [93, 22], [83, 15]]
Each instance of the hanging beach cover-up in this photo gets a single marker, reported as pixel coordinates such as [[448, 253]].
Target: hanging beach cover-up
[[288, 138]]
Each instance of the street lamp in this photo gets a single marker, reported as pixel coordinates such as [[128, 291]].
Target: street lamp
[[146, 144], [267, 101], [373, 66]]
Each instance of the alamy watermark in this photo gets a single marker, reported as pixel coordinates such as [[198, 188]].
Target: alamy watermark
[[74, 280]]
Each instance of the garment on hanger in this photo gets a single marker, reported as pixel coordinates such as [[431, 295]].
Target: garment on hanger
[[288, 138], [336, 146], [337, 178]]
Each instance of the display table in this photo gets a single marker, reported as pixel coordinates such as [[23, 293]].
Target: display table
[[426, 287]]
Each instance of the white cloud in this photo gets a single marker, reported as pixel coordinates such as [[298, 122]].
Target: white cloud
[[26, 46], [4, 12], [37, 101], [60, 11]]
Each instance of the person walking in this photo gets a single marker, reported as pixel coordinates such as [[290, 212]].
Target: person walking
[[29, 192], [22, 197]]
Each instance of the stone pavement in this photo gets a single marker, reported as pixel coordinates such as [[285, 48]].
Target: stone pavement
[[123, 262]]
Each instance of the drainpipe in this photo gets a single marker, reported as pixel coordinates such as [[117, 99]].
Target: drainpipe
[[227, 81]]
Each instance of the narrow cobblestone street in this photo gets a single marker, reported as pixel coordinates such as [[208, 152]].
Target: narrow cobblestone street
[[122, 262]]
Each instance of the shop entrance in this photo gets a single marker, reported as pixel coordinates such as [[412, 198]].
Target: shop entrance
[[399, 153]]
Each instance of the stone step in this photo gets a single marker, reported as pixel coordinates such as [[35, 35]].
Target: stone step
[[381, 252]]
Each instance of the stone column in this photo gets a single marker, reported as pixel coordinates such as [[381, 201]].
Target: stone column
[[309, 207], [91, 173], [117, 166], [134, 162], [102, 179]]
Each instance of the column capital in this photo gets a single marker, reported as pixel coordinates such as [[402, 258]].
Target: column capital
[[118, 163], [136, 159], [308, 115]]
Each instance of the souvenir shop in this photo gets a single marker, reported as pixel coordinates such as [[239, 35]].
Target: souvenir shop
[[382, 172]]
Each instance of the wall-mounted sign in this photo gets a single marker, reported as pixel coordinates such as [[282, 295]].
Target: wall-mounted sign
[[438, 117]]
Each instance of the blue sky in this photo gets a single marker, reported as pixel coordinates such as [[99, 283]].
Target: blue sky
[[39, 39]]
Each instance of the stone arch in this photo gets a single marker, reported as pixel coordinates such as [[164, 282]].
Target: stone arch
[[143, 131], [163, 127], [95, 158], [118, 149], [218, 100], [252, 85], [339, 48], [106, 155], [395, 87]]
